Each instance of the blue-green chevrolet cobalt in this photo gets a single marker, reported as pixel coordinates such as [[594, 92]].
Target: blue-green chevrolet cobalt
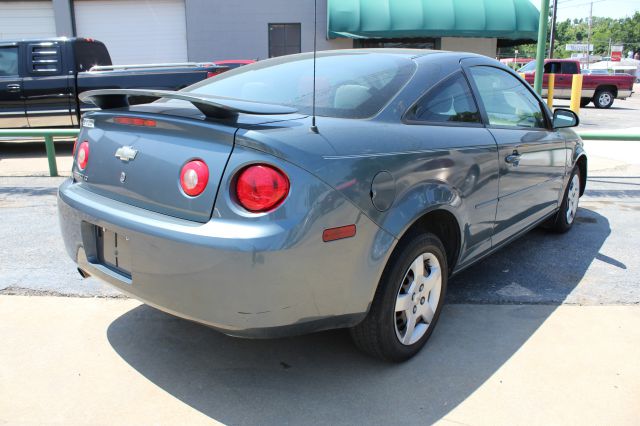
[[226, 203]]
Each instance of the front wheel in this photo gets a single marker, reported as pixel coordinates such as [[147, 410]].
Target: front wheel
[[603, 98], [565, 217], [408, 301]]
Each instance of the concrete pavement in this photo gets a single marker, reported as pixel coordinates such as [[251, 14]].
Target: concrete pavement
[[104, 361]]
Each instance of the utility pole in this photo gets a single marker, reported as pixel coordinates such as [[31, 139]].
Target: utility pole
[[589, 36], [542, 44], [553, 29]]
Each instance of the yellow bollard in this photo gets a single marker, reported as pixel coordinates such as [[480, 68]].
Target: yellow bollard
[[576, 93], [522, 75], [550, 86]]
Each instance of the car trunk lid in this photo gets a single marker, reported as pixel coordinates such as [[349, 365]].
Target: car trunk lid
[[140, 164]]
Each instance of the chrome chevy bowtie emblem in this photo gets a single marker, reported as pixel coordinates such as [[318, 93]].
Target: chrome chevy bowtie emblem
[[123, 176], [126, 153]]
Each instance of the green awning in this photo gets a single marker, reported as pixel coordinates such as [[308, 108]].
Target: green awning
[[503, 19]]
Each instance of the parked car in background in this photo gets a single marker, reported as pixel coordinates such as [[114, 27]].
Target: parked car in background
[[599, 89], [40, 80], [223, 203], [234, 63]]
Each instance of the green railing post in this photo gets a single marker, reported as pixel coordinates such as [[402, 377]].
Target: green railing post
[[51, 155], [48, 135], [542, 46]]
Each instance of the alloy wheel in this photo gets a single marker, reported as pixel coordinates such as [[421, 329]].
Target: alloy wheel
[[418, 298], [573, 195]]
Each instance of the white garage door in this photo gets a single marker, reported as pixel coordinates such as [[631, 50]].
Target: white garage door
[[135, 31], [26, 19]]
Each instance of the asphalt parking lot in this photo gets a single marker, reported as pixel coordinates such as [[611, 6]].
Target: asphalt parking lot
[[546, 331]]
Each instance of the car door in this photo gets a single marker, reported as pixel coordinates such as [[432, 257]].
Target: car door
[[447, 118], [12, 112], [531, 154], [47, 89]]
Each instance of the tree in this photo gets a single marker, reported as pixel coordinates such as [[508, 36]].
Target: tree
[[604, 31]]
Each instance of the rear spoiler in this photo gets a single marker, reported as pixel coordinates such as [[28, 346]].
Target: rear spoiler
[[211, 106]]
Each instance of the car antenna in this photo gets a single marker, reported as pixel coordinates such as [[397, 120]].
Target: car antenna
[[314, 128]]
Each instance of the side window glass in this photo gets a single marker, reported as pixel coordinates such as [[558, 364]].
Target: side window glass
[[507, 101], [8, 61], [449, 102], [552, 68], [569, 68]]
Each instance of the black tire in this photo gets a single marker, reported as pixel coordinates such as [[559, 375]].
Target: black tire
[[377, 334], [603, 98], [584, 102], [561, 223]]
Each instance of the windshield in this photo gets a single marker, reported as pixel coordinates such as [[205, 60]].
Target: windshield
[[348, 85], [530, 67]]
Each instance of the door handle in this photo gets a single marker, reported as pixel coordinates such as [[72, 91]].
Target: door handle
[[513, 158], [13, 87]]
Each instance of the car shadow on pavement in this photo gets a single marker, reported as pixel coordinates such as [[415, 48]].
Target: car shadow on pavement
[[321, 378]]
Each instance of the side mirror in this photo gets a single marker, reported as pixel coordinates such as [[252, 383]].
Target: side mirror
[[564, 118]]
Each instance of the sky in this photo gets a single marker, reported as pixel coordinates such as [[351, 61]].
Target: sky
[[570, 9]]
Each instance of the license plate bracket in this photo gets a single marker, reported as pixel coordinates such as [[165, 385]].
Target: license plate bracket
[[114, 250]]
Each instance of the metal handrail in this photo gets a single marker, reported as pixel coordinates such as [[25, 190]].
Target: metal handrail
[[609, 135], [48, 135], [162, 65]]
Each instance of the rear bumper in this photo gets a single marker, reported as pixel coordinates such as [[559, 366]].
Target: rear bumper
[[252, 280]]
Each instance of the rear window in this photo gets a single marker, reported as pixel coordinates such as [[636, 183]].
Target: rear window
[[353, 85], [89, 54], [570, 68]]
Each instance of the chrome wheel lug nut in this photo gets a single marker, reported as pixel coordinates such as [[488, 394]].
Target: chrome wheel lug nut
[[422, 301], [415, 309], [421, 287]]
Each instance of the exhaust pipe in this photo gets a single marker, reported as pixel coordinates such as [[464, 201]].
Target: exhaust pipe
[[83, 273]]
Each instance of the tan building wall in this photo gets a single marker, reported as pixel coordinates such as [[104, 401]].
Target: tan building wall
[[483, 46]]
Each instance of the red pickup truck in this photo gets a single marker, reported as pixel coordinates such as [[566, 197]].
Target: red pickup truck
[[596, 88]]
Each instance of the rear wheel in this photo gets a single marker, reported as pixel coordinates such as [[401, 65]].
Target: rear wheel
[[603, 98], [565, 217], [408, 301], [584, 102]]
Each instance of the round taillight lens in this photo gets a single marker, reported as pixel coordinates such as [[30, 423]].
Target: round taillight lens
[[194, 177], [260, 188], [83, 155]]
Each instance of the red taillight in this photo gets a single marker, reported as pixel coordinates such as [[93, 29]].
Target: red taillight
[[260, 188], [132, 121], [83, 155], [194, 177]]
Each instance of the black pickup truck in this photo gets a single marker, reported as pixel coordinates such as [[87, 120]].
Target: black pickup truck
[[40, 79]]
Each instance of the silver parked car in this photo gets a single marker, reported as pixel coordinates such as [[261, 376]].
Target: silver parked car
[[224, 204]]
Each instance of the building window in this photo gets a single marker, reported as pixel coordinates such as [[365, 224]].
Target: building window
[[284, 39], [405, 43]]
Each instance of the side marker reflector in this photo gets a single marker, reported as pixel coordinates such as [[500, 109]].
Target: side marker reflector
[[339, 233]]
